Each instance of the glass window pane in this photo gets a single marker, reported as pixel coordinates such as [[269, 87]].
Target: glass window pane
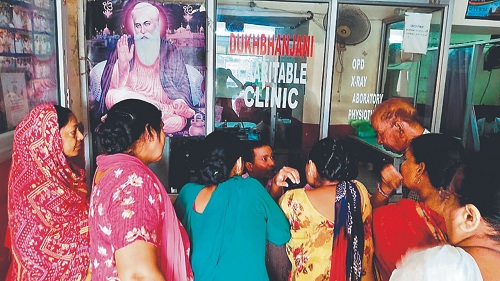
[[28, 60], [269, 69], [373, 63], [374, 67]]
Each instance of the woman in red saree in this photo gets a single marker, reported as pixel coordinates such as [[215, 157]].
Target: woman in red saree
[[47, 206], [431, 163]]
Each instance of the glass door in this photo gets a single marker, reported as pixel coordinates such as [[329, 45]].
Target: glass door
[[269, 64], [385, 50], [412, 76], [372, 65], [29, 62]]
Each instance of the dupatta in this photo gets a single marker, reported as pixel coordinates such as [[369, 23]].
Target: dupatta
[[174, 250], [348, 234], [46, 203], [222, 213]]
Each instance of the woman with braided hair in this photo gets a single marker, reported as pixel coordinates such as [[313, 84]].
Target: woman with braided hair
[[433, 162], [330, 222]]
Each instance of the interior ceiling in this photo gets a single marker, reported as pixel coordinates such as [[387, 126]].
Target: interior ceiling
[[258, 16], [272, 13]]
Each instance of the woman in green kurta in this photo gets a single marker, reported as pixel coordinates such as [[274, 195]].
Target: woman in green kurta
[[228, 218]]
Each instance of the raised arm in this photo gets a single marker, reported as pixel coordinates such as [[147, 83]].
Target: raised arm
[[391, 180], [279, 181], [122, 67]]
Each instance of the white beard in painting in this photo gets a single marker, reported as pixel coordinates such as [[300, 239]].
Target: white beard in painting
[[147, 46]]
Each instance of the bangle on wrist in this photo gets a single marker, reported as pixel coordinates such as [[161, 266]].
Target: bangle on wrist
[[379, 188]]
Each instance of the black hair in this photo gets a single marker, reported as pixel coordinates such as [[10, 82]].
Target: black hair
[[124, 124], [249, 152], [332, 160], [221, 150], [442, 155], [481, 188], [63, 115]]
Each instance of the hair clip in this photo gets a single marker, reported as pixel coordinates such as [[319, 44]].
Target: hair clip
[[103, 118]]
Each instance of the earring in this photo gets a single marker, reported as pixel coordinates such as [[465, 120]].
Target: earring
[[417, 180]]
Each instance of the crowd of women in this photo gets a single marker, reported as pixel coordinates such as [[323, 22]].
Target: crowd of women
[[217, 229]]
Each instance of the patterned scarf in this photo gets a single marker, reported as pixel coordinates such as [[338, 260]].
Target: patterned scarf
[[348, 234], [47, 206]]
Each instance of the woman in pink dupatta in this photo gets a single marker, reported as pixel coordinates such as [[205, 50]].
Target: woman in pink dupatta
[[47, 203], [134, 231]]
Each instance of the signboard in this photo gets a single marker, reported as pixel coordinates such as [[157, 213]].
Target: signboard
[[483, 9], [274, 73], [359, 84]]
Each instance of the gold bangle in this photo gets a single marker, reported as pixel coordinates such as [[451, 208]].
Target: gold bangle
[[382, 192]]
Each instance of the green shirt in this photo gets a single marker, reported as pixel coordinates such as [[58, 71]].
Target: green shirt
[[228, 240]]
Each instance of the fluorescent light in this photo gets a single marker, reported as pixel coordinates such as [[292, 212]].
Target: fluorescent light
[[247, 28], [395, 36]]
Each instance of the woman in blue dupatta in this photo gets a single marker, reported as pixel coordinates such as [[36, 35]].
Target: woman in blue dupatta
[[229, 218]]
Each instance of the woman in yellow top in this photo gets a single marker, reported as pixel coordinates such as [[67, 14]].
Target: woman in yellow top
[[330, 224]]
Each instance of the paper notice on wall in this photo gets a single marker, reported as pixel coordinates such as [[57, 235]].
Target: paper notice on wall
[[416, 32], [15, 97]]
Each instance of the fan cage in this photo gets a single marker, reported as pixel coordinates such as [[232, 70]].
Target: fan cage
[[353, 26]]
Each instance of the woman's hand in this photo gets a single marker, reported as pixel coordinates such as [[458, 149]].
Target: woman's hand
[[279, 181]]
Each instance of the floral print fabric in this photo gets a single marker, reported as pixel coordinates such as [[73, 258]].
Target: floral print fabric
[[310, 248], [125, 206]]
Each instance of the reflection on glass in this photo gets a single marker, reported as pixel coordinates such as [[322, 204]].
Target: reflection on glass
[[268, 59], [28, 65], [376, 69], [411, 75]]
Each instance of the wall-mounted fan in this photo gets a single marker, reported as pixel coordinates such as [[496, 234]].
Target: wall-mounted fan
[[492, 58], [353, 27]]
